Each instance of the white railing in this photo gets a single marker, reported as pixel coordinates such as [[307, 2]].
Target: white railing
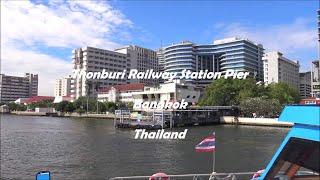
[[213, 176]]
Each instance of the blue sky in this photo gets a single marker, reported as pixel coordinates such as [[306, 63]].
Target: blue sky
[[173, 21], [39, 34]]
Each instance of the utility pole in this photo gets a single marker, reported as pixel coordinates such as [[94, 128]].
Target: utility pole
[[88, 89]]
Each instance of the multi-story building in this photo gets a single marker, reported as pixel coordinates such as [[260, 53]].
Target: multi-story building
[[315, 79], [231, 53], [277, 69], [315, 72], [305, 84], [14, 87], [90, 59], [175, 91], [141, 59], [119, 93], [62, 86], [161, 59]]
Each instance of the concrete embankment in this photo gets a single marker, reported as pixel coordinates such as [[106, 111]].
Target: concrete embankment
[[58, 114], [254, 121], [103, 116], [223, 120], [29, 113]]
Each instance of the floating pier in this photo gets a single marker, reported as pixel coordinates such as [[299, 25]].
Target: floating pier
[[158, 119]]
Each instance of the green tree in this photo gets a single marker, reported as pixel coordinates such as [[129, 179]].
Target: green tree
[[261, 106], [101, 107], [130, 105], [224, 92], [12, 106], [16, 107], [284, 93], [70, 107], [80, 111], [82, 102], [111, 106], [62, 106]]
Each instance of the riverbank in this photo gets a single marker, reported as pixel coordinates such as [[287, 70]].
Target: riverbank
[[254, 121], [272, 122], [59, 114]]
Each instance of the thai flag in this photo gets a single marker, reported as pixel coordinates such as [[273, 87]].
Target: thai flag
[[207, 145]]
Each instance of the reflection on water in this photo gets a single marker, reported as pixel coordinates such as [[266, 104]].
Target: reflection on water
[[93, 149]]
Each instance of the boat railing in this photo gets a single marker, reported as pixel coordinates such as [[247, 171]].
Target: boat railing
[[213, 176]]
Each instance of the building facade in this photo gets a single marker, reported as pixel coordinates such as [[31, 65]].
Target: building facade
[[119, 93], [15, 87], [62, 86], [161, 59], [305, 84], [141, 59], [175, 91], [90, 59], [277, 69], [231, 53], [315, 72], [315, 81]]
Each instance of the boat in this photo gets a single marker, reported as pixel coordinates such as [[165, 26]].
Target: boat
[[297, 158]]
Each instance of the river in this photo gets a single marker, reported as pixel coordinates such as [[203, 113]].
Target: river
[[79, 148]]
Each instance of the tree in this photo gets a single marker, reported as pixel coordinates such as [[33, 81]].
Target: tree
[[111, 106], [81, 103], [62, 106], [130, 105], [16, 107], [70, 107], [80, 111], [261, 106], [223, 92], [283, 92], [12, 106]]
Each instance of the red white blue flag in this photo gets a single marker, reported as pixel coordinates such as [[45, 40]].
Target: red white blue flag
[[207, 145]]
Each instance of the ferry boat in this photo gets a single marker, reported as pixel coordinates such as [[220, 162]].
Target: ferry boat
[[297, 158]]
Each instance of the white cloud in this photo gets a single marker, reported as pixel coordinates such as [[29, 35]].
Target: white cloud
[[74, 23], [17, 62], [26, 26], [288, 38]]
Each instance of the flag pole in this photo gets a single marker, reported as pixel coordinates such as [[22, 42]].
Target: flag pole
[[214, 155], [213, 160]]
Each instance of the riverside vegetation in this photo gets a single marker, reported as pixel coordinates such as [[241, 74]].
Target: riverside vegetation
[[266, 101], [79, 106]]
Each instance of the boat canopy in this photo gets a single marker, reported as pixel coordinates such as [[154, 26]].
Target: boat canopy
[[300, 149]]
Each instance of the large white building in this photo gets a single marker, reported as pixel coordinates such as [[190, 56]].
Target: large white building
[[62, 86], [277, 69], [168, 92], [15, 87], [161, 59], [139, 93], [119, 93], [225, 54], [141, 59], [305, 84], [90, 59]]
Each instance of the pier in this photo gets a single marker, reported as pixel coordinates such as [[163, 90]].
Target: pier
[[157, 119]]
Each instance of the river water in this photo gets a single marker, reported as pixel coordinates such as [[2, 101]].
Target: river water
[[79, 148]]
